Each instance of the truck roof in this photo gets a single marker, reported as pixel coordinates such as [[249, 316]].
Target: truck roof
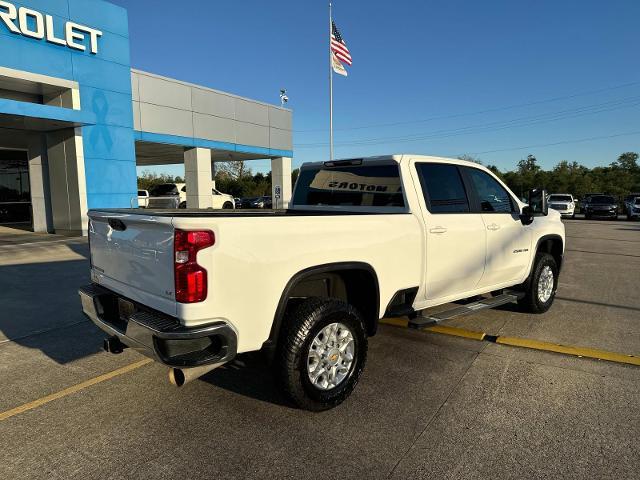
[[397, 158]]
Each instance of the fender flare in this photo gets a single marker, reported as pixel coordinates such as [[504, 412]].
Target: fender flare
[[544, 238], [271, 342]]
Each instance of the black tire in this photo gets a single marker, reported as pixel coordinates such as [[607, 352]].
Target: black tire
[[183, 205], [227, 206], [587, 216], [301, 325], [531, 303]]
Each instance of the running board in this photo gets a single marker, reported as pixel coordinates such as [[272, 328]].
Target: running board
[[422, 321]]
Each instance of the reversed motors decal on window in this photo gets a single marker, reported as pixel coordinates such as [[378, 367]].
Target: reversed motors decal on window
[[349, 182]]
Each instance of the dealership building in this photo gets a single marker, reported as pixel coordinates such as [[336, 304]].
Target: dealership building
[[76, 120]]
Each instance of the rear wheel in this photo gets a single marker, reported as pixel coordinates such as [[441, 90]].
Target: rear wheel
[[540, 288], [321, 353]]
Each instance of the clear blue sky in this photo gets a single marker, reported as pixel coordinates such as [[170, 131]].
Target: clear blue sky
[[433, 63]]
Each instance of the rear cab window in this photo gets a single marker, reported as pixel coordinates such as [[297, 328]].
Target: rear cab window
[[350, 185]]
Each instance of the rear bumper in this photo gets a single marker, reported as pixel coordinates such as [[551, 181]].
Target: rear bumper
[[155, 334]]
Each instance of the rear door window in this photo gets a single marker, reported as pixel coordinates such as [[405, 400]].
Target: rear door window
[[492, 196], [350, 185], [443, 188]]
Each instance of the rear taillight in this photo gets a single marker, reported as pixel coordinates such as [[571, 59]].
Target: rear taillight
[[191, 278]]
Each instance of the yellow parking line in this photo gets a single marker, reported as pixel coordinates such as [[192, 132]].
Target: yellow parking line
[[452, 331], [569, 350], [71, 390], [523, 342], [396, 322], [457, 332]]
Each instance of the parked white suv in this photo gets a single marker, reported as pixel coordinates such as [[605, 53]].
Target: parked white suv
[[174, 195], [563, 203], [143, 198], [363, 239]]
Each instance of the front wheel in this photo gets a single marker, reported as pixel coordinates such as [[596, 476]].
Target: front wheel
[[540, 288], [321, 353], [227, 206]]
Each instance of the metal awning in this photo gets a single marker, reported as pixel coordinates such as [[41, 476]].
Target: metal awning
[[43, 118], [150, 154]]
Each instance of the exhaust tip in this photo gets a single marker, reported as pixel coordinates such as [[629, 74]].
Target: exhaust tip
[[113, 345], [181, 376], [177, 377]]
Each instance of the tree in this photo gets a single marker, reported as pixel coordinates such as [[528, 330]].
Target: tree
[[528, 166], [149, 179], [236, 169], [627, 161], [470, 158]]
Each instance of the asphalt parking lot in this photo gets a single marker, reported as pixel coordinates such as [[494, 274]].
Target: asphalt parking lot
[[428, 405]]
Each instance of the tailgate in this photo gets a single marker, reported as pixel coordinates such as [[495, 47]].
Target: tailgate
[[132, 254]]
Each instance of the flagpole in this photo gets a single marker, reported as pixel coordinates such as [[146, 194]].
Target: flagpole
[[330, 86]]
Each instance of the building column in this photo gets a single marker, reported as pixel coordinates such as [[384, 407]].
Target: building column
[[198, 177], [281, 182], [67, 182], [39, 184]]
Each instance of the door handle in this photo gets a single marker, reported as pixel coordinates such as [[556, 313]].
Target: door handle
[[493, 227], [438, 230]]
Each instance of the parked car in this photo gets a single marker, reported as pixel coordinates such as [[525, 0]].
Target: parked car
[[585, 201], [633, 208], [601, 206], [257, 202], [174, 195], [143, 198], [629, 202], [362, 239], [563, 203], [222, 200], [167, 195], [247, 202]]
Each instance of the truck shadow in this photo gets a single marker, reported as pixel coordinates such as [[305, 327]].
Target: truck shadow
[[39, 306], [249, 375]]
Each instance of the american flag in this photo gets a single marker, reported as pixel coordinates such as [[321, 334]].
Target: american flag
[[338, 47]]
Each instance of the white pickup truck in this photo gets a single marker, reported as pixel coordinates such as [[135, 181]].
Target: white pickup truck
[[363, 239]]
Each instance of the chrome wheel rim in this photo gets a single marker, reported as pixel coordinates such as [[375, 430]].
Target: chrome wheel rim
[[545, 284], [331, 356]]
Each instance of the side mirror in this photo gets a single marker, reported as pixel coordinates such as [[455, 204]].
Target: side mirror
[[527, 215], [538, 202], [537, 205]]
